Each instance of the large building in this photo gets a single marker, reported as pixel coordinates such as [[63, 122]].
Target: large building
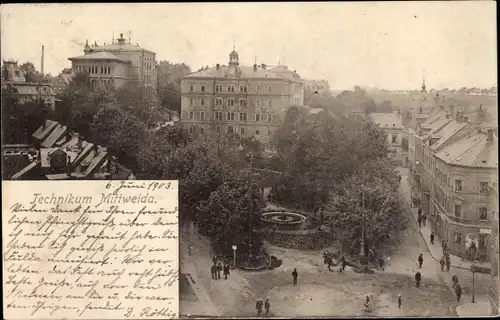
[[494, 246], [452, 167], [319, 86], [248, 100], [117, 64], [392, 124], [26, 91]]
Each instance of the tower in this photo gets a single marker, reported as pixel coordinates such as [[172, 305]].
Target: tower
[[234, 58]]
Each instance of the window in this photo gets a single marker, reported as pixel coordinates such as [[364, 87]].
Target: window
[[243, 88], [202, 130], [458, 210], [191, 115], [202, 101], [458, 185], [257, 117], [230, 88], [242, 131], [243, 116], [191, 101], [483, 213], [394, 138], [243, 102], [230, 129], [257, 102], [457, 237], [202, 88], [191, 88], [230, 116], [230, 102], [190, 129], [218, 88], [218, 115], [202, 115], [269, 103], [483, 187], [269, 117], [257, 132], [257, 89], [269, 89], [269, 132], [218, 101], [482, 241]]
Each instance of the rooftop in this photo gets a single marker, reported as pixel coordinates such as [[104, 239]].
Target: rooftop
[[387, 120], [473, 150], [232, 72], [445, 133], [100, 56]]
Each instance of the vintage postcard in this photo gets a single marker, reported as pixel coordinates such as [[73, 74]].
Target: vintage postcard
[[242, 160]]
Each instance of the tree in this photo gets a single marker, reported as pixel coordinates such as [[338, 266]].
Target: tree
[[31, 74], [169, 84]]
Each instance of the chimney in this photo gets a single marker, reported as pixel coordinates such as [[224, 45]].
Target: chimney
[[458, 117], [217, 66], [43, 58], [263, 66], [254, 67], [490, 135], [452, 109], [96, 149], [447, 115]]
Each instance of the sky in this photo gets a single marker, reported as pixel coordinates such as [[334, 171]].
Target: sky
[[390, 45]]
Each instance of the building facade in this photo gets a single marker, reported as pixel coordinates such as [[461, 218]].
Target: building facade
[[319, 86], [248, 100], [494, 246], [14, 78], [392, 124], [453, 163], [118, 64]]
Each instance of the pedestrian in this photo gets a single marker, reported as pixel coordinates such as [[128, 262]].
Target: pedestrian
[[330, 262], [458, 292], [420, 261], [424, 218], [367, 304], [219, 270], [226, 271], [454, 279], [419, 220], [258, 306], [214, 259], [419, 213], [399, 178], [418, 278], [295, 275], [442, 263], [267, 306], [343, 263], [381, 264], [325, 257], [400, 300], [432, 237], [448, 264], [213, 270]]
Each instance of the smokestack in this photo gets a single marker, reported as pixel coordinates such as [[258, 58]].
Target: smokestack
[[43, 58]]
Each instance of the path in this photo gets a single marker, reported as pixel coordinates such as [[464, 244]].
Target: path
[[459, 267]]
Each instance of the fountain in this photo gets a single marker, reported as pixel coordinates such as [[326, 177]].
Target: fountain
[[284, 219]]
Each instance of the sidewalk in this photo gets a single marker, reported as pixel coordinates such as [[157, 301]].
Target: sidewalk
[[435, 250]]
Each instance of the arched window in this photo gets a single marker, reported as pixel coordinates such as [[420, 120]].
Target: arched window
[[202, 101], [191, 88], [230, 129], [202, 89], [242, 131]]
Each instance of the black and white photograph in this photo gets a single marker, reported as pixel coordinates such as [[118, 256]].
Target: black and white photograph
[[333, 159]]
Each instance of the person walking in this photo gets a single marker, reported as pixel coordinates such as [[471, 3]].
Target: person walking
[[226, 270], [295, 275], [330, 262], [419, 213], [213, 271], [420, 261], [267, 306], [419, 221], [219, 270], [418, 278], [458, 292], [424, 218], [448, 264], [258, 306], [454, 279], [442, 263], [400, 301], [432, 237], [214, 259]]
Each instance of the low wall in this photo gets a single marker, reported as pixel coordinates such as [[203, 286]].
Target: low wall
[[311, 241]]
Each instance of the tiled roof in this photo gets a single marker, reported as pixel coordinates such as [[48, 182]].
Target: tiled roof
[[387, 120], [54, 136], [445, 133], [100, 56], [242, 72], [118, 47], [285, 73], [42, 132], [473, 150]]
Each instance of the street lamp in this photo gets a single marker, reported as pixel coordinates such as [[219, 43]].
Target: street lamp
[[234, 255], [473, 269]]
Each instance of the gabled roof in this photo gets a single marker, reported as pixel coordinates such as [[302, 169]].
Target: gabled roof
[[387, 120], [240, 72], [473, 150], [287, 74], [117, 47], [100, 56], [446, 132]]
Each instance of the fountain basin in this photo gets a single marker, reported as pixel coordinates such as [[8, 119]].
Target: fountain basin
[[284, 219]]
